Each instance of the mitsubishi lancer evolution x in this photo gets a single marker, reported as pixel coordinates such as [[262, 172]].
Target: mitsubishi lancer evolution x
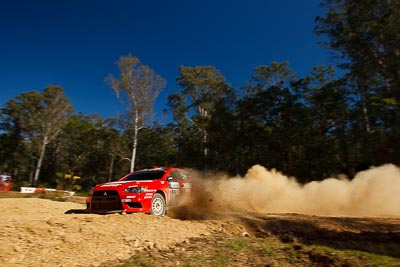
[[151, 191]]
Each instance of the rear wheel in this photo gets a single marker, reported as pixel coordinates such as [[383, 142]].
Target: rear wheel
[[158, 205]]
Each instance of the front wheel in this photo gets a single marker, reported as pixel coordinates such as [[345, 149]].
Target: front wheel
[[158, 205]]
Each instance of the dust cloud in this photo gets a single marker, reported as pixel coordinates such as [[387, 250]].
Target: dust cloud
[[374, 192]]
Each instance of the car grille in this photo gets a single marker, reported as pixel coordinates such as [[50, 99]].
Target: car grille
[[135, 205], [106, 200]]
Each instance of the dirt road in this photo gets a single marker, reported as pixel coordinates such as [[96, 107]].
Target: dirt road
[[37, 232]]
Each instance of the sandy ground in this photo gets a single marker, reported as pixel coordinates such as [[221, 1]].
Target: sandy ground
[[37, 232]]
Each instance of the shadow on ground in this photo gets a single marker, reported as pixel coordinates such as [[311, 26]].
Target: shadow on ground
[[373, 235]]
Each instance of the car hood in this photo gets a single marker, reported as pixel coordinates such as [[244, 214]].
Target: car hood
[[123, 184]]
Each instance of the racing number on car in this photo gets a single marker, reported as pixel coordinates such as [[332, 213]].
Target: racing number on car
[[173, 193]]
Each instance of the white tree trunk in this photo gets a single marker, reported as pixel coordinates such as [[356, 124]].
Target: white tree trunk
[[39, 163], [135, 142]]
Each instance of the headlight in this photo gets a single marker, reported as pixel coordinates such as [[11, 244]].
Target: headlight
[[136, 190]]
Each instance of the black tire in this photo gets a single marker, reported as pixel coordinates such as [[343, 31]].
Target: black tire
[[158, 207]]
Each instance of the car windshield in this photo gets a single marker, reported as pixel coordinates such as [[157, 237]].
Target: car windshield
[[145, 175]]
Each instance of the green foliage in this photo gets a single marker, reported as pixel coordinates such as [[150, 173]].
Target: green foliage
[[204, 91], [34, 120], [238, 245], [156, 147], [311, 127], [91, 148], [366, 37]]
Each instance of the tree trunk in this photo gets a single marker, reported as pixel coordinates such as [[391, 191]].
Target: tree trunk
[[205, 148], [39, 163], [135, 142], [110, 171], [363, 99]]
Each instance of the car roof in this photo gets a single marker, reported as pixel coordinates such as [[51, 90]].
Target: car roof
[[155, 168]]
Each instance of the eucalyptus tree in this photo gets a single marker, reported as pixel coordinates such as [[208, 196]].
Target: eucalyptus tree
[[204, 87], [328, 120], [268, 112], [157, 146], [40, 117], [278, 74], [137, 86], [92, 148], [365, 35], [14, 157]]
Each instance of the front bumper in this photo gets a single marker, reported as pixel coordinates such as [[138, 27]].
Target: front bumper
[[110, 201]]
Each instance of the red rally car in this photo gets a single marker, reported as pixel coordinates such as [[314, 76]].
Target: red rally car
[[149, 190]]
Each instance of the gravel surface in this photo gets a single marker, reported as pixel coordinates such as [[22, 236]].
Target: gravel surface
[[37, 232]]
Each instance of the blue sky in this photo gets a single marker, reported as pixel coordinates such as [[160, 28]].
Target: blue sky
[[75, 43]]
